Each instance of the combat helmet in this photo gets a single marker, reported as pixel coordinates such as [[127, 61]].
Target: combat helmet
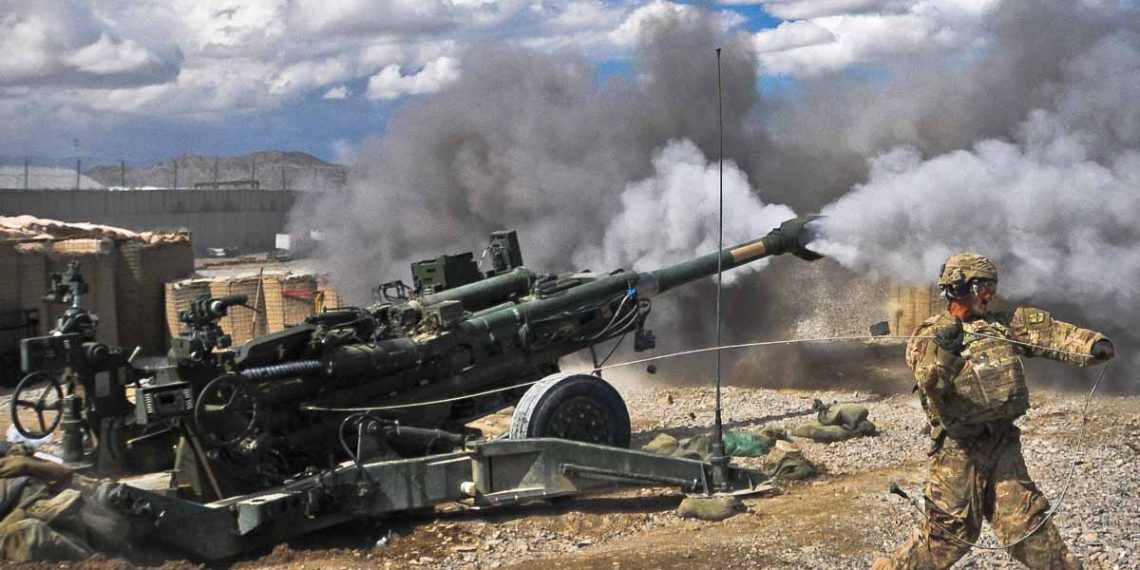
[[961, 271]]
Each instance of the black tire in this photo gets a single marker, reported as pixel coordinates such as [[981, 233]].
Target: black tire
[[577, 407]]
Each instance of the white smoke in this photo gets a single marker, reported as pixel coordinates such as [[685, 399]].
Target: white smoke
[[673, 216], [1055, 205]]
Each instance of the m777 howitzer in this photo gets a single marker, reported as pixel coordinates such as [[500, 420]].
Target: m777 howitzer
[[402, 377], [358, 413]]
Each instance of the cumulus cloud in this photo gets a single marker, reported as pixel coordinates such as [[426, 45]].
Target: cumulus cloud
[[805, 9], [54, 43], [209, 59], [338, 92], [832, 35], [391, 17], [656, 13], [587, 14], [230, 27], [391, 83]]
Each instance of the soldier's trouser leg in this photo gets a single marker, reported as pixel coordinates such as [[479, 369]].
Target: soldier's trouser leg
[[1018, 507], [954, 503]]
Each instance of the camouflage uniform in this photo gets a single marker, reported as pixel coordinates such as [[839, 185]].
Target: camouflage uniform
[[977, 471]]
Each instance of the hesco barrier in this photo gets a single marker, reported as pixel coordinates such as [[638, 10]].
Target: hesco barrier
[[247, 219], [282, 299], [125, 273], [909, 305]]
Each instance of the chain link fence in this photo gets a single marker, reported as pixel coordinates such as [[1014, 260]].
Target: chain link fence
[[260, 171]]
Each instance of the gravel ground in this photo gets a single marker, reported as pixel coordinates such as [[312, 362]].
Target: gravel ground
[[841, 519]]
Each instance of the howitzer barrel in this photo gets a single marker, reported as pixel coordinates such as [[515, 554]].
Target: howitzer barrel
[[788, 238]]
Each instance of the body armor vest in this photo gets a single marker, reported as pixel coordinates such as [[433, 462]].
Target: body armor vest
[[991, 386]]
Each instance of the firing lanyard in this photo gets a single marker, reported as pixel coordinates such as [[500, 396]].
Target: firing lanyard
[[842, 338]]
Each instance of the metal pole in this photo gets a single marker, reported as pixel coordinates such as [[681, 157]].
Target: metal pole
[[25, 173], [282, 176], [717, 458], [175, 185], [78, 167], [215, 172], [123, 173]]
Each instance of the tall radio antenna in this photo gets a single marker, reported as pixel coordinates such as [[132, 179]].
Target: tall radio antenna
[[717, 458]]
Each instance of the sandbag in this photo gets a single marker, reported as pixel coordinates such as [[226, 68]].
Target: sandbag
[[786, 461], [736, 444], [846, 415], [662, 444], [716, 508], [822, 433], [32, 539]]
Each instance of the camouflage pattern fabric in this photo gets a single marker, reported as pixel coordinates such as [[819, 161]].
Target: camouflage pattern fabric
[[986, 383], [983, 478], [966, 266], [977, 472]]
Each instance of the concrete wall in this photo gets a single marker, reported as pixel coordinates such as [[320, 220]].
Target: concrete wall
[[247, 219]]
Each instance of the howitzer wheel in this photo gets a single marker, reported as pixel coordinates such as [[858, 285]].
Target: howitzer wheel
[[43, 395], [226, 412], [577, 407]]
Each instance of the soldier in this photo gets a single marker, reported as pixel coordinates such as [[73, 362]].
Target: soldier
[[973, 388]]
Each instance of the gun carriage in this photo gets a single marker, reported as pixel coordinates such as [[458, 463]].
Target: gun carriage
[[361, 411]]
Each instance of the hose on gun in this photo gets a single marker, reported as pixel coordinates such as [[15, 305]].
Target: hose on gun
[[283, 370]]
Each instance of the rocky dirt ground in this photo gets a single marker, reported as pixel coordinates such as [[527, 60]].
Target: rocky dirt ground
[[840, 519]]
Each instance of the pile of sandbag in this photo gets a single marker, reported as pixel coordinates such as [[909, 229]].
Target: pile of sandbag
[[836, 422]]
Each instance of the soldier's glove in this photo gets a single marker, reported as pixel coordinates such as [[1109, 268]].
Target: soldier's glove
[[951, 338], [1103, 349]]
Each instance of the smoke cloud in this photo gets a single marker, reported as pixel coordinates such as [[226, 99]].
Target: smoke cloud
[[530, 141], [667, 218], [1023, 147], [1053, 202]]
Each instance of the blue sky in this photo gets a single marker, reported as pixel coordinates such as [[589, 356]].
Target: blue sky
[[145, 80]]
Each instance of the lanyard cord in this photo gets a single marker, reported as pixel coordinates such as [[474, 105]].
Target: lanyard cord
[[843, 338]]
